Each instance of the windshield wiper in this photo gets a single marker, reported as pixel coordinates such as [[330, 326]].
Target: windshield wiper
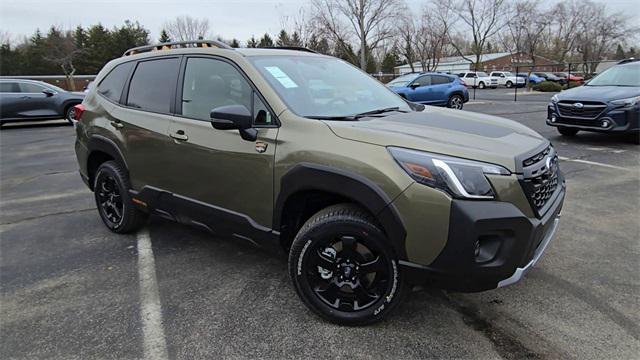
[[319, 117], [378, 111]]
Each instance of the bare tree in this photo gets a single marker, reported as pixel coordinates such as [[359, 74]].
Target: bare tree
[[432, 35], [405, 37], [483, 19], [61, 50], [367, 22], [525, 29], [186, 28], [598, 33]]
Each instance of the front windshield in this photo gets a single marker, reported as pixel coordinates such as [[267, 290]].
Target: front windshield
[[401, 81], [482, 74], [625, 75], [506, 73], [319, 86]]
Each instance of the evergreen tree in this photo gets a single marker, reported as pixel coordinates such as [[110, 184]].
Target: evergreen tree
[[631, 53], [235, 43], [619, 53], [265, 41], [164, 37], [283, 39], [389, 63], [295, 40], [252, 43]]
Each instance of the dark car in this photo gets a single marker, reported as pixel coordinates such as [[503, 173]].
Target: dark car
[[551, 77], [610, 102], [432, 89], [22, 100]]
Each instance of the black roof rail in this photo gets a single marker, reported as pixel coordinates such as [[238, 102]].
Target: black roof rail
[[297, 48], [178, 45], [627, 61]]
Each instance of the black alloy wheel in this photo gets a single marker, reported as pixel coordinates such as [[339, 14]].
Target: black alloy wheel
[[344, 268], [109, 199]]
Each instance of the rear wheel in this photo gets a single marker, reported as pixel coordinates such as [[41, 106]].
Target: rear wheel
[[455, 102], [481, 85], [70, 114], [111, 191], [565, 131], [344, 268]]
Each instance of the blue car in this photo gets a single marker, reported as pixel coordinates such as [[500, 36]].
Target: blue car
[[533, 78], [431, 89]]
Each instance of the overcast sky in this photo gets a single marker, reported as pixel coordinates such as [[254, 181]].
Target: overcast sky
[[230, 19]]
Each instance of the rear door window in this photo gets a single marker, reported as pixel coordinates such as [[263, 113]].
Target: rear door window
[[153, 85], [111, 86], [9, 87], [439, 80]]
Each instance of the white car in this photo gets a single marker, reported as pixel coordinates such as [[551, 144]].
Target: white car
[[478, 79], [506, 78]]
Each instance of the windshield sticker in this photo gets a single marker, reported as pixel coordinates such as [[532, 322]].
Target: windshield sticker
[[283, 78]]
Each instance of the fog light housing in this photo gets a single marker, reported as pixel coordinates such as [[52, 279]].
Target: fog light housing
[[605, 123], [553, 118]]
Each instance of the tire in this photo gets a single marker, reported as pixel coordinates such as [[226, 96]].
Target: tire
[[373, 294], [455, 102], [111, 191], [69, 113], [481, 85], [509, 84], [565, 131]]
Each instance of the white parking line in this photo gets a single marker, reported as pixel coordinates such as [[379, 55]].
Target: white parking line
[[155, 346], [593, 163]]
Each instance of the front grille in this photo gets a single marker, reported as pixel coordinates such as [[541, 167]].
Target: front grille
[[581, 109], [541, 188], [541, 177]]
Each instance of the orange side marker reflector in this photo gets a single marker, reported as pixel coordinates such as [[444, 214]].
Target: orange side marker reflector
[[139, 202]]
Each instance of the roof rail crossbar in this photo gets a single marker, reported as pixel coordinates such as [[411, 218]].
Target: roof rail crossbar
[[298, 48], [177, 45]]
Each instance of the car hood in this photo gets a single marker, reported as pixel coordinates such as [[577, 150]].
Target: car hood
[[599, 93], [446, 131]]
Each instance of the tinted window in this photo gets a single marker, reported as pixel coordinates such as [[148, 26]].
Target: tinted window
[[438, 80], [210, 83], [31, 88], [9, 87], [152, 85], [111, 86], [423, 81]]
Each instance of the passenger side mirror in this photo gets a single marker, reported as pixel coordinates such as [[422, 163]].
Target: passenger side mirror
[[232, 117], [48, 92]]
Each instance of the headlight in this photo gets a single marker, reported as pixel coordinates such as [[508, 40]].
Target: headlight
[[554, 99], [626, 102], [459, 177]]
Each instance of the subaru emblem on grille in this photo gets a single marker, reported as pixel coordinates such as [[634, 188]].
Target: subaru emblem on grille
[[578, 105]]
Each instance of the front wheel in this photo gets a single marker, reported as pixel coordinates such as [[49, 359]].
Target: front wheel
[[455, 102], [344, 268], [481, 85], [565, 131], [509, 84], [111, 190]]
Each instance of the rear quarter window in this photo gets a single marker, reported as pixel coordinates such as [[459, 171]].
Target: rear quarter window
[[153, 85], [111, 86]]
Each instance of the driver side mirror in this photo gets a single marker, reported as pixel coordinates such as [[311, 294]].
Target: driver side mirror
[[414, 86], [232, 117], [48, 92]]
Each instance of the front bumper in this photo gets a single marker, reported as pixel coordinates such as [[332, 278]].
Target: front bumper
[[491, 244], [612, 119]]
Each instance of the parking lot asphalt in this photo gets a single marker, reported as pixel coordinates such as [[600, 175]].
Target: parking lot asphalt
[[71, 289]]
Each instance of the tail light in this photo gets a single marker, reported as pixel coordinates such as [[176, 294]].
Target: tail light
[[79, 110], [462, 82]]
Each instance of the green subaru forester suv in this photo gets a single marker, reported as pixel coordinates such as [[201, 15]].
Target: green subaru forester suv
[[306, 155]]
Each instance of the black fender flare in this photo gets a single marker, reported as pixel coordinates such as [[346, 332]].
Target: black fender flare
[[308, 176], [107, 146]]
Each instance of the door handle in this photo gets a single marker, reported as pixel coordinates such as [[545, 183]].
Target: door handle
[[179, 135], [117, 124]]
